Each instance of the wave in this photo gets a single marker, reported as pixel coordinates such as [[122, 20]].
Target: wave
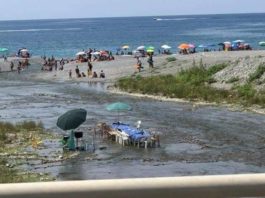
[[39, 30]]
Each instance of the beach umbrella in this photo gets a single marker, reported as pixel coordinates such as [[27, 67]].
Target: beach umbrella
[[262, 43], [227, 43], [125, 47], [239, 41], [166, 47], [150, 49], [80, 54], [140, 47], [95, 53], [184, 46], [72, 119], [192, 46], [203, 46], [119, 107], [3, 49]]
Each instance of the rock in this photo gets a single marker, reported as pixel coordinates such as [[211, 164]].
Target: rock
[[102, 148]]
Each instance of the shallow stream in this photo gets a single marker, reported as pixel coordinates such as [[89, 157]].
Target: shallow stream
[[195, 140]]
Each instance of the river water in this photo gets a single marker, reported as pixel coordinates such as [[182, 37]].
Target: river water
[[194, 140]]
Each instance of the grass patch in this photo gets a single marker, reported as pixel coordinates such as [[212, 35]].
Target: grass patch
[[193, 84], [258, 73], [14, 138]]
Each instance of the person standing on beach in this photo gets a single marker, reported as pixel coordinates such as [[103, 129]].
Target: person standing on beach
[[90, 66], [89, 70], [89, 54], [19, 68], [150, 61], [139, 64], [77, 71], [11, 66], [70, 73]]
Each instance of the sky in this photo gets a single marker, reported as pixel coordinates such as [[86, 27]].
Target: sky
[[54, 9]]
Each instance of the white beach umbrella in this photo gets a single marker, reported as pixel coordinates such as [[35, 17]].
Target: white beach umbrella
[[125, 47], [166, 47], [140, 47], [95, 53], [80, 54], [239, 41], [227, 43]]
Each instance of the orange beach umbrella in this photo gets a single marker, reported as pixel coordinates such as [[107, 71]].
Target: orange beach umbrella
[[184, 46]]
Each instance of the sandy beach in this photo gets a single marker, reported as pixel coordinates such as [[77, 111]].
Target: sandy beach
[[241, 64]]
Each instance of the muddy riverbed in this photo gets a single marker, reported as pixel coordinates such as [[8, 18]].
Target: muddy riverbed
[[198, 140]]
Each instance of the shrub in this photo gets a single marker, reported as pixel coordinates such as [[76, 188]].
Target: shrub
[[258, 73], [216, 68], [171, 59], [246, 91]]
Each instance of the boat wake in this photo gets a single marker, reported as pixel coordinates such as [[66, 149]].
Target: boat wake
[[39, 30], [172, 19]]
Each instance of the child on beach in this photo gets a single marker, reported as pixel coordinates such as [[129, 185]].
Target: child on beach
[[83, 74], [139, 64], [102, 74], [95, 75]]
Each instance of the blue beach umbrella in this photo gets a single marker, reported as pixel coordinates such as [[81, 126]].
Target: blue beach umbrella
[[239, 41], [202, 46], [3, 49], [119, 106]]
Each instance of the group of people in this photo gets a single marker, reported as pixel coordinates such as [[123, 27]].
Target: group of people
[[90, 72], [94, 55], [20, 65], [50, 64], [139, 65]]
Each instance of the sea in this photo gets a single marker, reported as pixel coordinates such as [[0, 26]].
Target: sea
[[66, 37]]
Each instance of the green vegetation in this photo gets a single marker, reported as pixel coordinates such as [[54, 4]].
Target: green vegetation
[[13, 139], [171, 59], [233, 80], [194, 84], [10, 175], [258, 73]]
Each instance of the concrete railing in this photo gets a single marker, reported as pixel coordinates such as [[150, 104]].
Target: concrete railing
[[248, 185]]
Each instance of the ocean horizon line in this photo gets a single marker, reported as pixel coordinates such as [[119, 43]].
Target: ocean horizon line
[[153, 16]]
